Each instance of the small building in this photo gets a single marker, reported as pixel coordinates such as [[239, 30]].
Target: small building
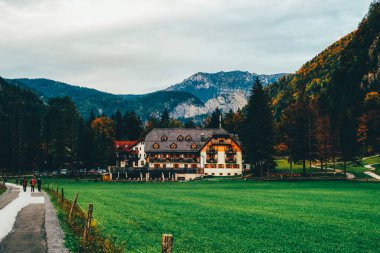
[[130, 154], [209, 152]]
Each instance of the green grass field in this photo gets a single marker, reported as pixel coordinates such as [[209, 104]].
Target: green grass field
[[237, 216]]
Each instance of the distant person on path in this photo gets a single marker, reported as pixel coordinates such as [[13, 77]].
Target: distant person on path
[[39, 183], [17, 180], [24, 183], [32, 184]]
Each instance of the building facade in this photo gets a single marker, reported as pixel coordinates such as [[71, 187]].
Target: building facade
[[210, 152], [130, 154]]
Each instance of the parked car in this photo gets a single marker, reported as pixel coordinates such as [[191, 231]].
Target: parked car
[[64, 172], [101, 171], [55, 172], [92, 172]]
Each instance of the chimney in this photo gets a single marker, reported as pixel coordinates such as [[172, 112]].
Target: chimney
[[220, 120]]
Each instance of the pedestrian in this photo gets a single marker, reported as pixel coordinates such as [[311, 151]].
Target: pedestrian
[[39, 183], [24, 183], [32, 184], [17, 180]]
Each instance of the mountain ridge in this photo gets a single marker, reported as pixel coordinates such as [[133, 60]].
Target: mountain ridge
[[181, 104]]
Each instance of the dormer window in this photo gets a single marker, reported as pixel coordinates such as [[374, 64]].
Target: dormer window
[[188, 138], [180, 138], [164, 138], [173, 146], [156, 146], [194, 146]]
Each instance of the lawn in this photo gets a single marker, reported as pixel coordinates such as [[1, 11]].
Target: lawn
[[237, 216]]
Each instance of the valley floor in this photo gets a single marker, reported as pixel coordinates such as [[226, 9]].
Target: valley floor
[[237, 216]]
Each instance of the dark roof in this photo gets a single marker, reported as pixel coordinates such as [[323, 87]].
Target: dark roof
[[198, 137]]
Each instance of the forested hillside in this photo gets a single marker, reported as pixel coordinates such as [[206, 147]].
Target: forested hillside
[[337, 94], [87, 100]]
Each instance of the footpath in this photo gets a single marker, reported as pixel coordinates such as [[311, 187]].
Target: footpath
[[29, 223]]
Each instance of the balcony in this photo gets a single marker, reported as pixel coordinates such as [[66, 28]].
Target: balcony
[[211, 160], [211, 151], [231, 151], [230, 160]]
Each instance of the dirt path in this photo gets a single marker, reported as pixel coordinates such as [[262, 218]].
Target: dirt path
[[8, 196], [28, 223], [28, 234]]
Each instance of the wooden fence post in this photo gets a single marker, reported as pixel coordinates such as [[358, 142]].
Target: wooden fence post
[[167, 243], [72, 206], [88, 223], [62, 196], [57, 191]]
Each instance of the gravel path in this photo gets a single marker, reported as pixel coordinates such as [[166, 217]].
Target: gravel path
[[370, 173]]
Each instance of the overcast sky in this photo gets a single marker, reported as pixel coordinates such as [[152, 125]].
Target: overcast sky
[[138, 46]]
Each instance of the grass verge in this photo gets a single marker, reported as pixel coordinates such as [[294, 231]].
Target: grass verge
[[95, 242]]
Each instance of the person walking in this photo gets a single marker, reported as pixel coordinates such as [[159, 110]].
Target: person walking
[[24, 183], [39, 183], [32, 184]]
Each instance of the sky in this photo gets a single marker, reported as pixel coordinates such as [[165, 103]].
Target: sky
[[139, 46]]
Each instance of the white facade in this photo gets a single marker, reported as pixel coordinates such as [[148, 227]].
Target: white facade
[[140, 147]]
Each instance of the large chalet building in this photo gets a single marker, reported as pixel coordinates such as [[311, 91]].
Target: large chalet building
[[208, 152], [214, 151]]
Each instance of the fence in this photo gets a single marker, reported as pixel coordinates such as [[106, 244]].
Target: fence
[[85, 227]]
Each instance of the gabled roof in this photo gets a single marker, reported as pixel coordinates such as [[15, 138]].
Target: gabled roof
[[199, 137], [125, 145]]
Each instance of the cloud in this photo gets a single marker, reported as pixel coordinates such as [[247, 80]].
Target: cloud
[[138, 46]]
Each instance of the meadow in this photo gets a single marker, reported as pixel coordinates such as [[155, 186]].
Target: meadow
[[236, 215]]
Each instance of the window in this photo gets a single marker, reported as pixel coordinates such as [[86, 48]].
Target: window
[[206, 174], [180, 138], [236, 174], [164, 165], [176, 165], [220, 165], [221, 140], [194, 166], [156, 146], [164, 138], [186, 165], [194, 146], [173, 146], [220, 174], [229, 174], [142, 163], [188, 138], [156, 165], [213, 174]]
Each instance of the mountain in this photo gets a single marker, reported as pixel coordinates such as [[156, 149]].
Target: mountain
[[195, 97], [223, 90], [86, 99], [341, 76]]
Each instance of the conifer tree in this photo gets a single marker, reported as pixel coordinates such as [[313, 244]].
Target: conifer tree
[[258, 135], [165, 119]]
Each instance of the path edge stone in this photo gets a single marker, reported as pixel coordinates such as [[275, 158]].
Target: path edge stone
[[54, 234]]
